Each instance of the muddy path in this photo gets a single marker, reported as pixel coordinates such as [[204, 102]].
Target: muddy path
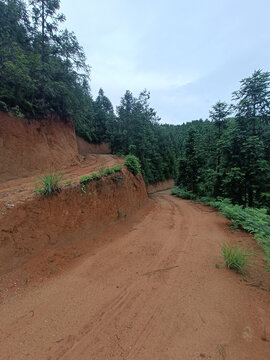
[[151, 291]]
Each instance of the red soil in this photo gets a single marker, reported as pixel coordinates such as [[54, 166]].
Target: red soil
[[160, 186], [45, 222], [85, 148], [19, 190], [83, 277], [145, 288], [28, 148]]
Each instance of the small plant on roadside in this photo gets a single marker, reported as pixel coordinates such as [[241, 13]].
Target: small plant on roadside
[[68, 182], [109, 171], [117, 168], [118, 178], [49, 184], [236, 258], [133, 164], [183, 193], [84, 180], [253, 220], [26, 279], [101, 171], [120, 213]]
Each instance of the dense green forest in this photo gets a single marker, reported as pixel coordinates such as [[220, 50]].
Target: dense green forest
[[230, 157], [43, 70]]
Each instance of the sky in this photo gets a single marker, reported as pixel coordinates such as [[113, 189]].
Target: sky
[[188, 54]]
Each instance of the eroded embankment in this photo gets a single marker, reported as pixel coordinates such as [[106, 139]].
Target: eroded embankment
[[160, 186], [85, 148], [71, 215], [31, 147]]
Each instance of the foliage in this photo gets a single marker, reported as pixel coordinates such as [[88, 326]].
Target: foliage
[[43, 70], [236, 258], [183, 193], [88, 178], [109, 171], [84, 180], [230, 157], [49, 185], [133, 164], [135, 130], [117, 168]]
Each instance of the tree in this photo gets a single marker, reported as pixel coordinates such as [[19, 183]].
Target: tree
[[190, 163], [104, 117], [252, 114], [253, 100], [220, 111], [44, 33], [46, 21]]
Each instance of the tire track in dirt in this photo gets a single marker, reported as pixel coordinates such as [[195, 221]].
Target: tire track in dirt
[[134, 295], [151, 292]]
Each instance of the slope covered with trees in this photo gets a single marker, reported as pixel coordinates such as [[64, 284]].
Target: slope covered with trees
[[229, 157], [43, 70]]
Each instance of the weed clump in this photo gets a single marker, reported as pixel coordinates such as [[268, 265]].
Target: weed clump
[[109, 171], [183, 193], [96, 176], [88, 178], [49, 184], [68, 182], [236, 258], [133, 164]]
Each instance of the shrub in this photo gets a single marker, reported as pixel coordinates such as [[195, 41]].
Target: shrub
[[109, 171], [88, 178], [49, 184], [117, 168], [236, 258], [183, 193], [133, 164]]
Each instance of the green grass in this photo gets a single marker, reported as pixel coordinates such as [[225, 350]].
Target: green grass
[[49, 184], [109, 171], [236, 258], [117, 168], [88, 178], [68, 182], [101, 172]]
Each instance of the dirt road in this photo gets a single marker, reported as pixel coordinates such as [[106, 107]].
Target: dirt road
[[19, 190], [151, 291]]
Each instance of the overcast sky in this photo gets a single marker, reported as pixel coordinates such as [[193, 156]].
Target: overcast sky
[[188, 54]]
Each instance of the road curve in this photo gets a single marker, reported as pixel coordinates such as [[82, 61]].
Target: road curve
[[151, 292]]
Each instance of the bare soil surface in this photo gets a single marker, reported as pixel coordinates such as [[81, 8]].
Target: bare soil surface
[[18, 190], [147, 288], [31, 147]]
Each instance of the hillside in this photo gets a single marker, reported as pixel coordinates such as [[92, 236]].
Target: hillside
[[122, 236], [31, 147]]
